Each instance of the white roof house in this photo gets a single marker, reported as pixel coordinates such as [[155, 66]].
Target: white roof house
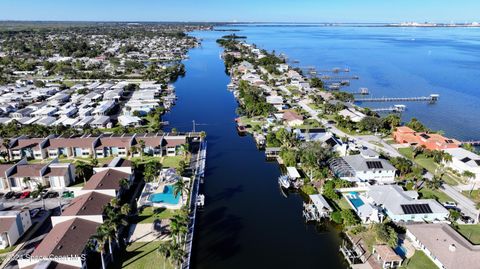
[[353, 114], [363, 167], [129, 120], [46, 121], [400, 206], [100, 122], [293, 172], [464, 160], [103, 108]]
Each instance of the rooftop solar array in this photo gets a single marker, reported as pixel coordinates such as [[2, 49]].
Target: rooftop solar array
[[466, 160], [425, 136], [416, 209], [374, 165]]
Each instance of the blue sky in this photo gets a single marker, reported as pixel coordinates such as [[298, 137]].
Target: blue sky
[[243, 10]]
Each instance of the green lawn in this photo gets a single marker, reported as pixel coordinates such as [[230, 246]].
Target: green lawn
[[172, 161], [428, 164], [435, 194], [143, 255], [7, 250], [474, 195], [150, 214], [343, 204], [419, 261], [471, 232]]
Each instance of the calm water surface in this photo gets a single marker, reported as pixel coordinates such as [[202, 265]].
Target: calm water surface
[[246, 223]]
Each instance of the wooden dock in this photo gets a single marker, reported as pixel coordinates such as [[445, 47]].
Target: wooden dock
[[433, 98], [395, 109]]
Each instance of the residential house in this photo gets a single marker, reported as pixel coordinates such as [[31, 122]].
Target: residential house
[[366, 166], [464, 160], [114, 146], [65, 245], [292, 118], [405, 135], [173, 143], [444, 246], [386, 257], [13, 224]]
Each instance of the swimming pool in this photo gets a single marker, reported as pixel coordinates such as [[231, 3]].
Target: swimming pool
[[165, 197], [355, 199]]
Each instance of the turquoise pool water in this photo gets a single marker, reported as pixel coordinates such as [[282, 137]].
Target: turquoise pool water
[[355, 200], [165, 197]]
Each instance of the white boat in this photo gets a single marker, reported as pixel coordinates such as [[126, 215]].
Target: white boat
[[201, 200], [284, 181]]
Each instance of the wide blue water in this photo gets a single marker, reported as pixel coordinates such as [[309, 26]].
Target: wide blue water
[[393, 62]]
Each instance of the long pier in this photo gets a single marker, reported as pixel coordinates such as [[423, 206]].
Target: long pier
[[395, 108], [432, 99], [471, 142]]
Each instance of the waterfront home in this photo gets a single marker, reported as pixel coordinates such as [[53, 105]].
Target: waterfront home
[[444, 246], [153, 143], [107, 179], [386, 257], [403, 206], [464, 160], [130, 121], [292, 119], [173, 144], [352, 113], [13, 224], [65, 246], [405, 135], [366, 166], [244, 67]]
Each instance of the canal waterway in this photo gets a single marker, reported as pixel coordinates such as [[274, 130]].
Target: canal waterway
[[247, 222]]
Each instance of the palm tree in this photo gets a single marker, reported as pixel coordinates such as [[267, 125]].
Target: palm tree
[[180, 187], [166, 250], [142, 148], [83, 169], [125, 209], [94, 162], [177, 228], [27, 181], [177, 253], [417, 151], [110, 233], [100, 239], [6, 145], [124, 183]]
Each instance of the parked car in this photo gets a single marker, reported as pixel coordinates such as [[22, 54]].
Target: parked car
[[467, 219], [52, 194], [17, 195], [67, 194], [450, 205], [25, 194], [9, 195]]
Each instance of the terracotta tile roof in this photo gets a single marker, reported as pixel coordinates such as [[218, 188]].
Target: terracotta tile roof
[[91, 203], [6, 223], [67, 238], [404, 129], [108, 179]]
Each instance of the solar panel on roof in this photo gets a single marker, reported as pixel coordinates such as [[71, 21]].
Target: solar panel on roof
[[374, 165], [416, 209], [466, 160]]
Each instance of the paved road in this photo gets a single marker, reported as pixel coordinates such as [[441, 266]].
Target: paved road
[[466, 205]]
